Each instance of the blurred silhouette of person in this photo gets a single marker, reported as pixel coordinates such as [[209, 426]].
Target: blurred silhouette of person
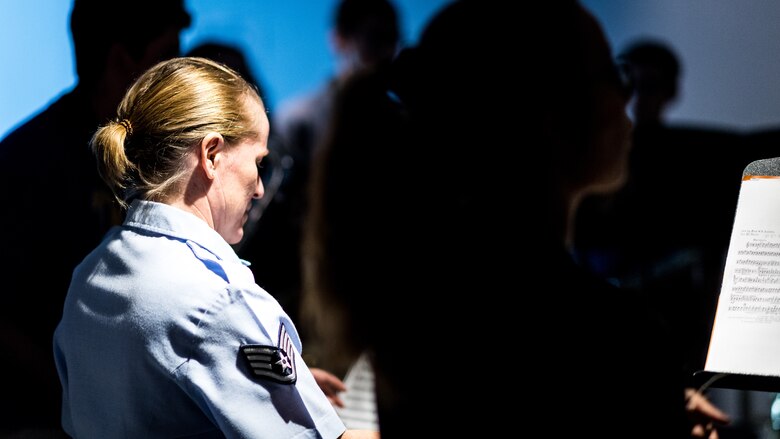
[[420, 271], [231, 56], [654, 73], [365, 34], [61, 207], [667, 230]]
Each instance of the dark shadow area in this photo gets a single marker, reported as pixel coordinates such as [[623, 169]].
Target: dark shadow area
[[58, 207]]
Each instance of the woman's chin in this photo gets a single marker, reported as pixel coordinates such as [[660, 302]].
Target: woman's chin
[[234, 237]]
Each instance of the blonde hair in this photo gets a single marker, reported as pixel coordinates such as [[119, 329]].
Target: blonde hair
[[163, 116]]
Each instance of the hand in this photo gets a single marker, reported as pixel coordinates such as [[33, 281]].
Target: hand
[[703, 415], [330, 385]]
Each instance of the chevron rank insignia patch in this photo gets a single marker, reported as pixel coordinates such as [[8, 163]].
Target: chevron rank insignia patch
[[276, 363]]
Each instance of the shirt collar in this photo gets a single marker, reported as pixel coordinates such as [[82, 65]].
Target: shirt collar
[[172, 221]]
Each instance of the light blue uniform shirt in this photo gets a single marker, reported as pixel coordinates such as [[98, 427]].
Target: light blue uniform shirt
[[149, 341]]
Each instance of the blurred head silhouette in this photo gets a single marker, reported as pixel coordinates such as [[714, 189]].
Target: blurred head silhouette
[[233, 57], [115, 41], [365, 33], [653, 70], [474, 167]]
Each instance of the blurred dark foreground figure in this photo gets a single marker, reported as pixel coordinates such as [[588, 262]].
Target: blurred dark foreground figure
[[667, 229], [60, 207], [465, 209]]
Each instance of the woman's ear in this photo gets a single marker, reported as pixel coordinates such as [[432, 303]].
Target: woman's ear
[[211, 148]]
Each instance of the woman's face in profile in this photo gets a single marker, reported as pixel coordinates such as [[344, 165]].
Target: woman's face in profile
[[238, 179]]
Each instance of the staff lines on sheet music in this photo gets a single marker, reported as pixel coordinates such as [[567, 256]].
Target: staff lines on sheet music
[[756, 262]]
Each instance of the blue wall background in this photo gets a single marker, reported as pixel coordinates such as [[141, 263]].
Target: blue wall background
[[730, 52], [286, 43]]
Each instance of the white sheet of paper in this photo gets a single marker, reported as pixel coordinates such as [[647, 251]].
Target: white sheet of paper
[[746, 334], [359, 411]]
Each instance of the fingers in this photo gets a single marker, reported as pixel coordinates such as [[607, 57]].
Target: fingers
[[327, 379], [330, 385], [706, 431], [336, 400], [698, 406]]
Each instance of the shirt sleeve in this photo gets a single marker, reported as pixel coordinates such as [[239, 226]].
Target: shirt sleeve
[[241, 403]]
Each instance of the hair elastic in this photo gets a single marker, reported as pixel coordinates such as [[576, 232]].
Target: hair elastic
[[129, 128]]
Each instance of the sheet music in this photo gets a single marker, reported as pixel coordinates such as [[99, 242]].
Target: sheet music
[[360, 411], [746, 334]]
